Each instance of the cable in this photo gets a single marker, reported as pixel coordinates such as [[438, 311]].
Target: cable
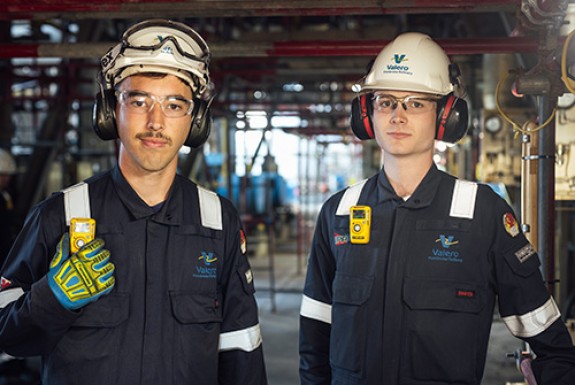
[[516, 127], [564, 75]]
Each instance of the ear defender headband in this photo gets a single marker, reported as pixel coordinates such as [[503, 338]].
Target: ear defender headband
[[190, 68]]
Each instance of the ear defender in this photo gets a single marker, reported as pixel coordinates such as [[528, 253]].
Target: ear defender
[[360, 119], [452, 119], [104, 115], [201, 123]]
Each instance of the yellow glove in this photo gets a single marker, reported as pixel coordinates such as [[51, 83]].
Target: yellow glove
[[83, 277]]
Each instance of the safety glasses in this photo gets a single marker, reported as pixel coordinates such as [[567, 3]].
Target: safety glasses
[[139, 102], [412, 104]]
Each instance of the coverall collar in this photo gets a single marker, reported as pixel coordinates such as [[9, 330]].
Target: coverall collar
[[139, 209], [421, 197]]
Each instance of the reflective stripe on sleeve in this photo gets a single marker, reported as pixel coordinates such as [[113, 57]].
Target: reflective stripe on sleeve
[[316, 310], [246, 339], [534, 322], [10, 295]]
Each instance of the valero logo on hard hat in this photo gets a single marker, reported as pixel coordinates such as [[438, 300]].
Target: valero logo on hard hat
[[398, 59]]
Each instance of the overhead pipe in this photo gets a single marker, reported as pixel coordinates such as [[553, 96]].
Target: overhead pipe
[[463, 46]]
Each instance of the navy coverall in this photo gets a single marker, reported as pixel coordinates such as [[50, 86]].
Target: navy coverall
[[182, 310], [414, 306]]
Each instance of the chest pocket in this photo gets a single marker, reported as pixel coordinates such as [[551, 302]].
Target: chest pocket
[[443, 247], [196, 259], [439, 311], [191, 308]]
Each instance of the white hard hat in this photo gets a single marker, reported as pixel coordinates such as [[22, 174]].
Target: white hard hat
[[7, 163], [162, 46], [411, 62]]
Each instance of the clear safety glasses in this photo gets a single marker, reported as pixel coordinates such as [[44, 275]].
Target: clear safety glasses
[[412, 104], [140, 102]]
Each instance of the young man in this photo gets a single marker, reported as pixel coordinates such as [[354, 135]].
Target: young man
[[413, 304], [164, 294]]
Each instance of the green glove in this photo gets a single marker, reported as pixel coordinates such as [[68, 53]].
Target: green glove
[[83, 277]]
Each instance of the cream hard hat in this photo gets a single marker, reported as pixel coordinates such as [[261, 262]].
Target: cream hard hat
[[162, 46], [411, 62]]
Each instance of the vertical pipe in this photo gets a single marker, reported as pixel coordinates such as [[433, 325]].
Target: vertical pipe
[[529, 191], [299, 217], [546, 186]]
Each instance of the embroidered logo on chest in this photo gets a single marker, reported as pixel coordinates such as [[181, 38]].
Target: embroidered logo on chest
[[206, 265], [448, 250]]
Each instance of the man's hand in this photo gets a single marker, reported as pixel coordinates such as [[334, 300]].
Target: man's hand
[[83, 277]]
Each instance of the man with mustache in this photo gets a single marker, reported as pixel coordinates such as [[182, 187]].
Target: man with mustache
[[164, 294]]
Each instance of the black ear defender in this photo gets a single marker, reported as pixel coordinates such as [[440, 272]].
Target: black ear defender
[[201, 123], [104, 112], [360, 119]]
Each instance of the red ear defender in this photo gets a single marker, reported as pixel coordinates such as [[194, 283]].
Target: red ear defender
[[360, 119], [452, 119]]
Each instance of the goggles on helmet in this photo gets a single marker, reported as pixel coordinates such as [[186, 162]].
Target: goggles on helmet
[[159, 46]]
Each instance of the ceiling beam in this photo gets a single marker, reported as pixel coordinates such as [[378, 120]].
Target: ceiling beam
[[131, 9], [461, 46]]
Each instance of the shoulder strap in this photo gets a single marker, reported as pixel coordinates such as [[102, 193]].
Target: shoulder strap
[[210, 209], [350, 198], [77, 202], [463, 199]]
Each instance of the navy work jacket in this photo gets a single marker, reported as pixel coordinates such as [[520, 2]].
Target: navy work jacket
[[415, 305], [182, 310]]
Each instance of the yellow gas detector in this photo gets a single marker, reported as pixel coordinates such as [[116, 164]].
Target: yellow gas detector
[[359, 224]]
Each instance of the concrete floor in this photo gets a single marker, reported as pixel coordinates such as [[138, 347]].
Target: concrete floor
[[280, 327]]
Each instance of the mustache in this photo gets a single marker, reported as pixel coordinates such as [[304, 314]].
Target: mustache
[[155, 135]]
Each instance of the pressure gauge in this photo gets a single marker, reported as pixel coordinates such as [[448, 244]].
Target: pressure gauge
[[566, 101], [493, 124]]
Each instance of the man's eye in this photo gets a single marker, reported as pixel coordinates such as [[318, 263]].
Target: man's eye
[[175, 106], [137, 102], [386, 103], [416, 104]]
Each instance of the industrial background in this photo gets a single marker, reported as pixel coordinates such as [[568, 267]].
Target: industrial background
[[283, 74]]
